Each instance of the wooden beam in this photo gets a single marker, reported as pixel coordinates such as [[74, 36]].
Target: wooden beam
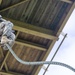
[[37, 69], [29, 44], [0, 2], [36, 33], [10, 73], [67, 1], [13, 5], [33, 30], [4, 61], [17, 34]]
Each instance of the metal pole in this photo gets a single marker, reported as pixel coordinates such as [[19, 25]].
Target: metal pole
[[55, 53]]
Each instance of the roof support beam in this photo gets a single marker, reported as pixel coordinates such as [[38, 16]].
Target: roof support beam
[[33, 30], [67, 1], [5, 62], [0, 2], [13, 5], [29, 44], [37, 69], [10, 73]]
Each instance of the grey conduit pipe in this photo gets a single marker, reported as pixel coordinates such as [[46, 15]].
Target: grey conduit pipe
[[38, 63]]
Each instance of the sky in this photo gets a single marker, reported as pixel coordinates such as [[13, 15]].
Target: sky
[[66, 53]]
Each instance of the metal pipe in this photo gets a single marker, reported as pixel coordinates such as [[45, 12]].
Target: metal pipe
[[55, 53], [38, 63]]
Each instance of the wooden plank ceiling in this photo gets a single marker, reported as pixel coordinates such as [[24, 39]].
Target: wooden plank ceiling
[[37, 25]]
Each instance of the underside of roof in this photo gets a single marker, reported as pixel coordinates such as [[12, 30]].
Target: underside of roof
[[37, 25]]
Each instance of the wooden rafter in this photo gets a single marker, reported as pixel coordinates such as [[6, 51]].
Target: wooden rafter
[[67, 1], [4, 61], [29, 44], [13, 5], [0, 2], [10, 73], [33, 30], [37, 69], [36, 33]]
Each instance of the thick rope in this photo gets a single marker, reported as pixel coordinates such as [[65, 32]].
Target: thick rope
[[38, 63]]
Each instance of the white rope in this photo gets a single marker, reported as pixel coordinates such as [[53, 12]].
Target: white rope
[[38, 63]]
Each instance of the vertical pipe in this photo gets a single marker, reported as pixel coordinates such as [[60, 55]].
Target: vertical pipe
[[55, 53]]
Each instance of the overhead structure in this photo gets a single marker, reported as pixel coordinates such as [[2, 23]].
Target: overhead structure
[[37, 25]]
